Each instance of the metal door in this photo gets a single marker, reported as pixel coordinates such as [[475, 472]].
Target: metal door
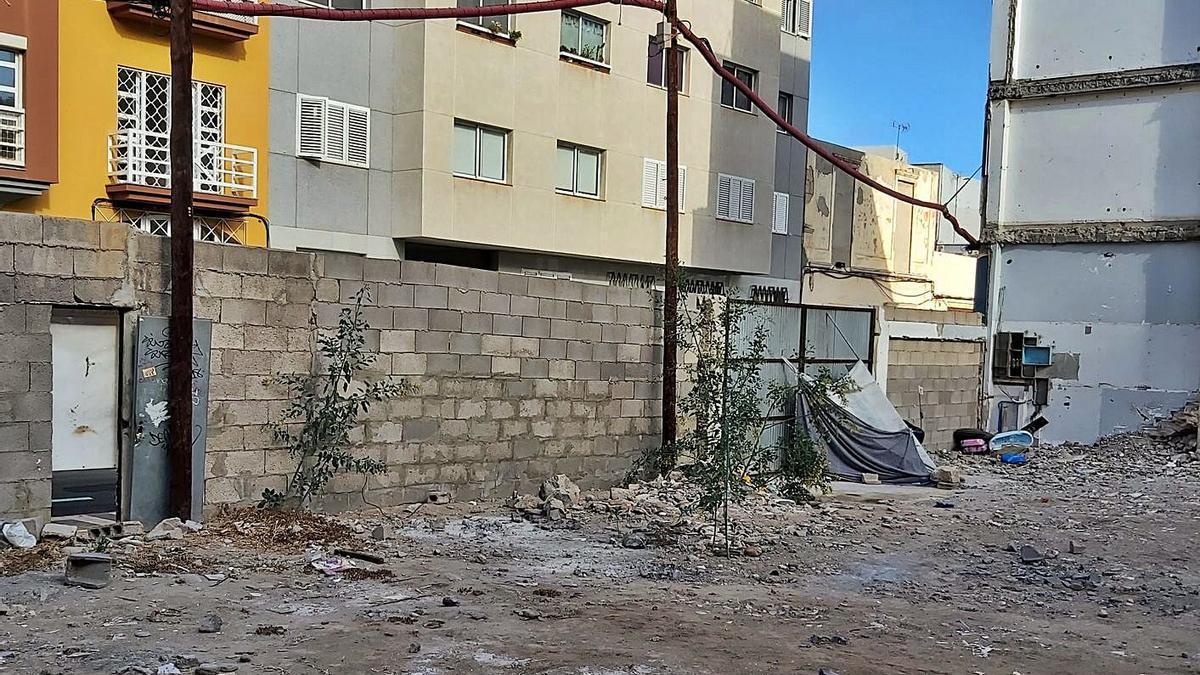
[[150, 474]]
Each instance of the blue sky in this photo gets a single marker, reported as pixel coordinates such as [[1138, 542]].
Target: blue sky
[[923, 62]]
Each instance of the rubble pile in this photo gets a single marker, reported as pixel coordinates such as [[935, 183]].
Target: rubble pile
[[277, 531], [1178, 432], [557, 496]]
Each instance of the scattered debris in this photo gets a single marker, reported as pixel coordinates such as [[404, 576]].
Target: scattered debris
[[270, 629], [169, 528], [21, 560], [366, 556], [89, 570], [277, 531], [18, 535], [59, 531]]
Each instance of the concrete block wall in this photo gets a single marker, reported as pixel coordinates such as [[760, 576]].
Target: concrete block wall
[[515, 377], [936, 384]]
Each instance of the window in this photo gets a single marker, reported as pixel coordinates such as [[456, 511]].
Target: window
[[497, 24], [796, 17], [656, 65], [784, 110], [836, 338], [480, 152], [584, 37], [730, 96], [779, 213], [735, 198], [333, 131], [654, 184], [338, 4], [578, 170], [12, 112]]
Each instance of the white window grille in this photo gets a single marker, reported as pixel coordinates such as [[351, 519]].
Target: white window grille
[[211, 230], [654, 184], [578, 170], [584, 37], [12, 110], [779, 213], [480, 152], [139, 151], [333, 131], [735, 198]]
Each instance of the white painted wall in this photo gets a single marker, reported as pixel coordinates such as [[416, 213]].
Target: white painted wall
[[85, 396], [1057, 38], [1122, 156]]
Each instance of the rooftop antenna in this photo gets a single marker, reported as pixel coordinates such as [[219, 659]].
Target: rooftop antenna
[[900, 128]]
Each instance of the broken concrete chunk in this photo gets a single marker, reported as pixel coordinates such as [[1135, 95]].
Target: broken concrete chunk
[[89, 570], [561, 488], [382, 532], [1030, 555], [215, 668], [947, 476], [59, 531], [870, 479], [170, 528], [438, 497], [191, 526]]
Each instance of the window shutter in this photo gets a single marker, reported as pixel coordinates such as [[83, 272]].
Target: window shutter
[[804, 17], [310, 126], [779, 213], [682, 187], [650, 183], [746, 212], [724, 196], [787, 15], [335, 135], [358, 135]]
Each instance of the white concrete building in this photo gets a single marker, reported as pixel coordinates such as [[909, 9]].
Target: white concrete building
[[1092, 192]]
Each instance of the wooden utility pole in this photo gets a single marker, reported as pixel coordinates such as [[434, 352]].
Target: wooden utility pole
[[179, 387], [671, 283]]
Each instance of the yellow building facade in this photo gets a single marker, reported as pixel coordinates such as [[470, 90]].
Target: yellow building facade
[[114, 119]]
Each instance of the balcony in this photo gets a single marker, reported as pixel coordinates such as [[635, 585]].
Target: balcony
[[216, 25], [225, 177], [12, 136]]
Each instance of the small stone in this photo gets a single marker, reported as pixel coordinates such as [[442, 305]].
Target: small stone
[[1030, 555], [634, 540], [1076, 548], [168, 669], [414, 647], [191, 526], [752, 551], [382, 532], [211, 623], [942, 504], [480, 558], [870, 479], [3, 609], [1103, 613], [216, 668], [450, 601], [528, 614], [185, 661]]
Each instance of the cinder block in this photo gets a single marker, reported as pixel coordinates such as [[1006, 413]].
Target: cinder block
[[473, 322], [394, 295], [44, 260], [506, 325], [289, 264], [476, 365], [70, 233], [465, 343], [386, 271], [535, 367], [494, 303], [552, 349], [272, 289], [432, 297], [552, 309], [463, 300], [20, 228], [408, 364], [236, 311], [104, 264], [343, 266], [444, 319], [513, 284]]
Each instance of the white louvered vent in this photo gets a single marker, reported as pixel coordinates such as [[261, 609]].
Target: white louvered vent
[[654, 184], [735, 198], [804, 17], [333, 131], [779, 213], [310, 126]]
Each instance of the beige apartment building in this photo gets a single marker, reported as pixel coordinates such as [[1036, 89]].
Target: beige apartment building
[[535, 143]]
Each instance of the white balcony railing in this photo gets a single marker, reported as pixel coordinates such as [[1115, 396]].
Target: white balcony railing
[[12, 136], [139, 157]]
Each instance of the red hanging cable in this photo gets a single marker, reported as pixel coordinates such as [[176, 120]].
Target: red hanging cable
[[701, 44]]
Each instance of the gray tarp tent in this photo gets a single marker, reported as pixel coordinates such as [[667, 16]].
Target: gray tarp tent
[[863, 433]]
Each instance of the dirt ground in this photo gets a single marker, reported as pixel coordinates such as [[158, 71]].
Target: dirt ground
[[871, 580]]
